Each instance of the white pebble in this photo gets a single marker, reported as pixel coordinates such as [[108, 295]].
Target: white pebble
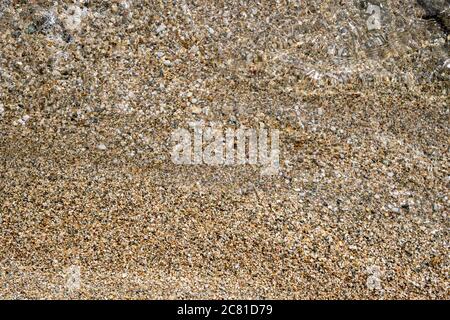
[[161, 28], [24, 120], [395, 210], [194, 49]]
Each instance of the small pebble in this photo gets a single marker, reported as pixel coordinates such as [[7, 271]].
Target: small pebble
[[161, 28]]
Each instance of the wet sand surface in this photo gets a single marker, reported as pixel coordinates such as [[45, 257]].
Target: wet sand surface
[[91, 205]]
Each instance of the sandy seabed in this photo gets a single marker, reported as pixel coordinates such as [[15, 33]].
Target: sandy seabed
[[92, 207]]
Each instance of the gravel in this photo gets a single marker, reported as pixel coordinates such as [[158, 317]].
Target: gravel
[[92, 206]]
